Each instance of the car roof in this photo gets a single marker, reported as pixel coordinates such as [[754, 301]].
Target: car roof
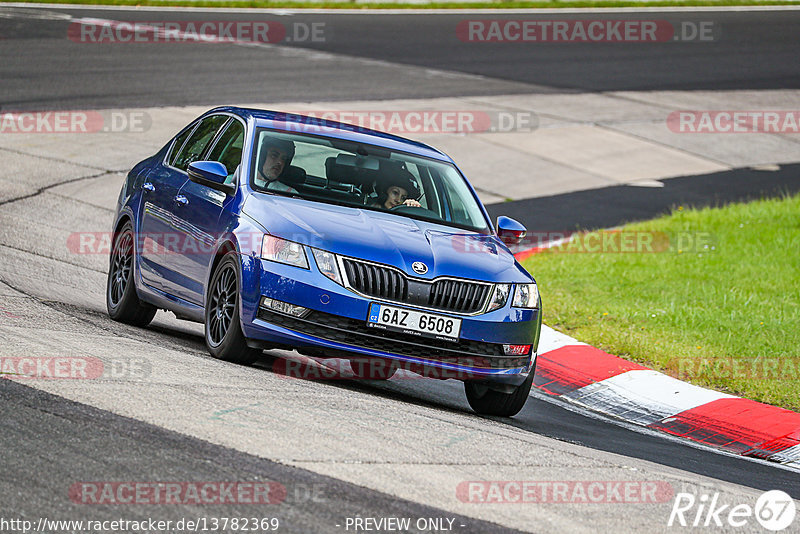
[[297, 123]]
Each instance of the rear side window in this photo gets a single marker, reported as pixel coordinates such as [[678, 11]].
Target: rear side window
[[228, 149], [198, 141]]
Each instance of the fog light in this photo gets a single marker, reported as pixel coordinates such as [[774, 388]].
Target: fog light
[[516, 350], [284, 307]]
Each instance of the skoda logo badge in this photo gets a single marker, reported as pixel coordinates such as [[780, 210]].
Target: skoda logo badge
[[419, 267]]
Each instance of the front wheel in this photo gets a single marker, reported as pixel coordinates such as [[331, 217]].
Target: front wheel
[[122, 302], [487, 401], [224, 337]]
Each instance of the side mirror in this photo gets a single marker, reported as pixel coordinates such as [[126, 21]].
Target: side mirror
[[510, 231], [212, 174]]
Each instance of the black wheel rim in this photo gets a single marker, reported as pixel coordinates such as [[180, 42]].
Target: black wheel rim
[[222, 305], [121, 261]]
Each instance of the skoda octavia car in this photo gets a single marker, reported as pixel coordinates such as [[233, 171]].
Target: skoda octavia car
[[283, 231]]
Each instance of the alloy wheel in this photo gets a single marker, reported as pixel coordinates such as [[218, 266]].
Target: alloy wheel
[[121, 267], [222, 305]]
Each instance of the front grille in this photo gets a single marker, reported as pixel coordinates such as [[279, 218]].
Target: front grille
[[459, 296], [376, 281], [476, 354]]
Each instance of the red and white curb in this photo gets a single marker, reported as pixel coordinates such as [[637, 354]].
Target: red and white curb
[[600, 382]]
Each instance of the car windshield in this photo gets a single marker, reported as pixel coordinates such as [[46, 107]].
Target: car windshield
[[363, 176]]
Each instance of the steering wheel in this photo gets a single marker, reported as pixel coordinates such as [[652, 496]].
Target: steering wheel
[[418, 210]]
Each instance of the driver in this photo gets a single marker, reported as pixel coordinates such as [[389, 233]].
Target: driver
[[276, 156], [398, 190]]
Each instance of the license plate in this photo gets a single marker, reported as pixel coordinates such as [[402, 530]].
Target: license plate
[[413, 322]]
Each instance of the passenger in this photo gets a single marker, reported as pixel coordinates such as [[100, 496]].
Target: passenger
[[276, 156], [398, 190]]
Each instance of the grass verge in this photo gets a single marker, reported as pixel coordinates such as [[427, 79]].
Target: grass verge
[[714, 300], [358, 4]]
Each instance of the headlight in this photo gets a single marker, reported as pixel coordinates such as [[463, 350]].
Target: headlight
[[326, 262], [499, 296], [283, 251], [526, 296]]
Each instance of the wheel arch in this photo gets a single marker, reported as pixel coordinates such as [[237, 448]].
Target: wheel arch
[[225, 248], [124, 218]]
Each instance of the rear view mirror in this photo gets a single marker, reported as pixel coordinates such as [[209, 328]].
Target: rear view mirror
[[361, 162], [510, 231]]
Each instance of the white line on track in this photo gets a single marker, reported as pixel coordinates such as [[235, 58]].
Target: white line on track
[[412, 11]]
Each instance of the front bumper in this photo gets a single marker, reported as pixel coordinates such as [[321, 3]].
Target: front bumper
[[336, 328]]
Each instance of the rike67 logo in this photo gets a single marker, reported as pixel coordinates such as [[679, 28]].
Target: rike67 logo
[[774, 510]]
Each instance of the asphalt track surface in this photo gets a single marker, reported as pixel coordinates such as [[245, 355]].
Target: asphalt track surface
[[48, 440], [402, 56], [613, 206]]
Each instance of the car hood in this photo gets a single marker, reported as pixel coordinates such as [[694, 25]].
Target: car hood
[[386, 238]]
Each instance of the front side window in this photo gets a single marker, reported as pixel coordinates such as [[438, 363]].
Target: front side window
[[364, 176], [228, 148], [196, 144]]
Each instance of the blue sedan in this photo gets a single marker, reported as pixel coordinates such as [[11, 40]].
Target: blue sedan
[[284, 231]]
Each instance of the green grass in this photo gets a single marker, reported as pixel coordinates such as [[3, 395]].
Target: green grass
[[489, 5], [725, 317]]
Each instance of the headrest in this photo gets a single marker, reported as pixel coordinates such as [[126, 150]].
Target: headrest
[[292, 175]]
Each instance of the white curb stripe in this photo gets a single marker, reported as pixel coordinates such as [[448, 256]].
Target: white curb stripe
[[790, 456], [643, 397], [550, 339]]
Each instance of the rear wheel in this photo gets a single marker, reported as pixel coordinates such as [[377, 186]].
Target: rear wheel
[[224, 337], [487, 401], [122, 302]]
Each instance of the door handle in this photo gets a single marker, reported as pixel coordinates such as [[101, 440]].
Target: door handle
[[181, 200], [147, 186]]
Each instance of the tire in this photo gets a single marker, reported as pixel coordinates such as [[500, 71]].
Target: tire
[[223, 330], [122, 302], [486, 401]]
